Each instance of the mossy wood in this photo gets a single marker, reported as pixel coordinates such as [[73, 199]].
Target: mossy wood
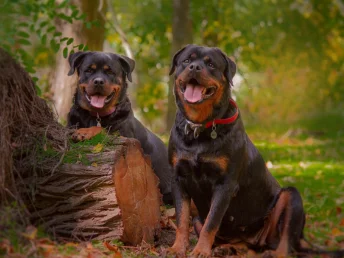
[[116, 197]]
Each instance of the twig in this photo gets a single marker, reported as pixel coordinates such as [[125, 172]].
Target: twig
[[62, 156]]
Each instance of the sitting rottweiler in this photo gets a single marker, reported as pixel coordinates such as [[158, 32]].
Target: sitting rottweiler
[[216, 165], [101, 101]]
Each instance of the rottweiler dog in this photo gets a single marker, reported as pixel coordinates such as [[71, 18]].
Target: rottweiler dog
[[216, 165], [101, 101]]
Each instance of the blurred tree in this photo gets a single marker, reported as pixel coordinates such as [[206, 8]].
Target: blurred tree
[[63, 86], [181, 36]]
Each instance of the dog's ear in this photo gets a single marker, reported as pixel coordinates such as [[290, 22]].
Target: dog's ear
[[75, 61], [230, 69], [128, 65], [175, 57]]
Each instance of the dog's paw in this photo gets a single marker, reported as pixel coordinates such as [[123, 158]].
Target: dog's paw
[[176, 251], [86, 133], [200, 252]]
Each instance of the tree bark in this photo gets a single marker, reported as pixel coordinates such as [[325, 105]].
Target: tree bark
[[117, 197], [182, 35], [62, 85]]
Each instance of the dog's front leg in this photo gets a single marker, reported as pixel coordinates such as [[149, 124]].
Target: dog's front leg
[[182, 203], [220, 201]]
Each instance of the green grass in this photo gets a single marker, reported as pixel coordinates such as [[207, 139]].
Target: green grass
[[315, 166]]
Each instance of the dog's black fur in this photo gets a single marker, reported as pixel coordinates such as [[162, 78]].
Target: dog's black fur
[[237, 198], [110, 84]]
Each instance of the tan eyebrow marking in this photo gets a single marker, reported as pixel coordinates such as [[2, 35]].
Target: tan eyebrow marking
[[93, 66], [206, 58], [106, 67]]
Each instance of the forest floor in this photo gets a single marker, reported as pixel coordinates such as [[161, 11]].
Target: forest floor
[[312, 161]]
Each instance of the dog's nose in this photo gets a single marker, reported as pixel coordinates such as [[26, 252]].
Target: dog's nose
[[98, 82], [195, 66]]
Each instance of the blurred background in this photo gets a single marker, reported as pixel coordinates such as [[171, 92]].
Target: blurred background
[[290, 53]]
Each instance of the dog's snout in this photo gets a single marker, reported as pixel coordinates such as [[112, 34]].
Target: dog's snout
[[98, 82], [195, 66]]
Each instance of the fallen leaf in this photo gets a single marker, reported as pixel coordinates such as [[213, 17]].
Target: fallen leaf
[[30, 233], [336, 232], [94, 164], [342, 222], [338, 210], [6, 246], [110, 247], [98, 148]]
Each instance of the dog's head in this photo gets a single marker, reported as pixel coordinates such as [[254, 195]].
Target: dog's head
[[102, 79], [202, 81]]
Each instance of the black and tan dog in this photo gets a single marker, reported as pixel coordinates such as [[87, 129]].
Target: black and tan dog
[[216, 165], [101, 99]]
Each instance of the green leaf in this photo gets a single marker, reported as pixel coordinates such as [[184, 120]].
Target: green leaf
[[63, 4], [72, 52], [75, 13], [50, 29], [81, 46], [23, 24], [24, 42], [64, 39], [57, 48], [44, 39], [57, 34], [65, 17], [43, 24], [65, 52], [23, 34], [51, 3], [70, 41], [38, 89], [85, 48]]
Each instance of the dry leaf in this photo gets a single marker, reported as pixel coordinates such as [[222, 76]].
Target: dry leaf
[[338, 210], [98, 148], [342, 222], [111, 247], [30, 233], [336, 232], [94, 164]]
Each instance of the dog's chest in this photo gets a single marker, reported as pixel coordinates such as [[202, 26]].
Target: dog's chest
[[201, 166]]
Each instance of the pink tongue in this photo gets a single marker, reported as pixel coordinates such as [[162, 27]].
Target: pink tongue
[[98, 101], [193, 93]]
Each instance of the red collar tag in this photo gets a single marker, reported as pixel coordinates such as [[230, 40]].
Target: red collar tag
[[228, 120]]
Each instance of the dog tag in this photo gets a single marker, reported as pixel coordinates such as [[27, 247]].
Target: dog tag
[[213, 133], [98, 121]]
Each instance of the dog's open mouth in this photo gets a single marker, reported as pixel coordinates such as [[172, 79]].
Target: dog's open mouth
[[194, 92], [99, 101]]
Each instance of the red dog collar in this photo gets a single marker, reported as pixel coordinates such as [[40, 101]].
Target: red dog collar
[[228, 120], [197, 128]]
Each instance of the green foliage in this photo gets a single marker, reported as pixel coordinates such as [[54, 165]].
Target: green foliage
[[290, 52], [25, 21]]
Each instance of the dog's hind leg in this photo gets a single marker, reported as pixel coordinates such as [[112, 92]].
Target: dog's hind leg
[[287, 222]]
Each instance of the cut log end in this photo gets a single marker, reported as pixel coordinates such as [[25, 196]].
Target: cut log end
[[117, 199]]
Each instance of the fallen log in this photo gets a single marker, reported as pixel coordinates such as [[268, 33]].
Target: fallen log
[[115, 196]]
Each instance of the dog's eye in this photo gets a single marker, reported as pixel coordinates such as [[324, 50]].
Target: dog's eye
[[211, 65], [89, 70], [186, 61], [108, 71]]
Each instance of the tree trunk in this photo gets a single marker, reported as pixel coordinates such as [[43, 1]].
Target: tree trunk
[[117, 197], [182, 35], [62, 85]]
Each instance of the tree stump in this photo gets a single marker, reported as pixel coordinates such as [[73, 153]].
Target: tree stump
[[116, 197]]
